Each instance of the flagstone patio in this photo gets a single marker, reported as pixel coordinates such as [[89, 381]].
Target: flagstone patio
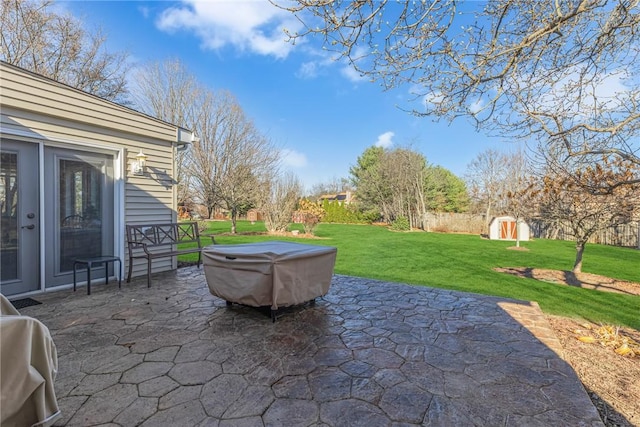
[[369, 353]]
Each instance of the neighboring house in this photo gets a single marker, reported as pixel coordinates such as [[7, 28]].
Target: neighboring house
[[67, 179], [505, 228], [342, 197]]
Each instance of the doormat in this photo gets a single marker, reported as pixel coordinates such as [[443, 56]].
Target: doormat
[[24, 302]]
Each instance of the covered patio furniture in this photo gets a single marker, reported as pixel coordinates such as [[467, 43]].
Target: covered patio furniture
[[274, 274], [28, 367]]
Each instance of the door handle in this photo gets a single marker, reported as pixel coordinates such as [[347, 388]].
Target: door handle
[[29, 227]]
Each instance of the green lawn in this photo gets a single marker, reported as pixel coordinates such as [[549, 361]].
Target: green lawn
[[465, 262]]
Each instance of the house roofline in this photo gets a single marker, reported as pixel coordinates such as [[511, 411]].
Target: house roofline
[[61, 84]]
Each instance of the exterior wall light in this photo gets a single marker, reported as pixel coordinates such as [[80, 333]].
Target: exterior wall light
[[139, 166]]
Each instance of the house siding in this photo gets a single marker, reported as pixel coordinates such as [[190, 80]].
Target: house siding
[[36, 109], [31, 92]]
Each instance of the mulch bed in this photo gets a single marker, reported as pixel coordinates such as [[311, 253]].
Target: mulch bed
[[568, 278]]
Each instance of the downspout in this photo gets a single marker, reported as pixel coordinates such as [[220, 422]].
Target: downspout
[[181, 144]]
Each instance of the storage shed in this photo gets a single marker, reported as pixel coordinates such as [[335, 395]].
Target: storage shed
[[505, 228]]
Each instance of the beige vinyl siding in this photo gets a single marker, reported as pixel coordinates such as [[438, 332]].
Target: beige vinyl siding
[[150, 198], [30, 92], [54, 128], [38, 109]]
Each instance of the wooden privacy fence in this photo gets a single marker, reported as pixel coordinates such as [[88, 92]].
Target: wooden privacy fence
[[453, 223], [627, 235]]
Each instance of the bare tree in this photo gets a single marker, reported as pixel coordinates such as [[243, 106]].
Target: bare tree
[[231, 160], [278, 201], [244, 156], [399, 183], [332, 186], [517, 186], [569, 199], [405, 171], [166, 90], [498, 181], [485, 178], [393, 182], [36, 38], [202, 167], [563, 73]]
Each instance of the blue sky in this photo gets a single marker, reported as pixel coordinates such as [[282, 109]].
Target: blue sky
[[321, 113]]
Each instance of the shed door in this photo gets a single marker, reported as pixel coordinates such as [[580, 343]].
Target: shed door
[[508, 230]]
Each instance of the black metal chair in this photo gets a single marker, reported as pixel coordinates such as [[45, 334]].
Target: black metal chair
[[73, 221]]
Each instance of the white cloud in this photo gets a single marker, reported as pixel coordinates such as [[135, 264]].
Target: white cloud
[[476, 107], [312, 69], [385, 140], [611, 85], [359, 56], [144, 11], [293, 158], [308, 70], [255, 26], [581, 97], [433, 98], [351, 74], [325, 62]]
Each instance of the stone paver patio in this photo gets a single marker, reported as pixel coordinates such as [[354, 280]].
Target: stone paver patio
[[369, 354]]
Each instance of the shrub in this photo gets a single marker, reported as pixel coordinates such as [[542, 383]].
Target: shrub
[[342, 213], [400, 224], [370, 216], [279, 202], [311, 213], [202, 226]]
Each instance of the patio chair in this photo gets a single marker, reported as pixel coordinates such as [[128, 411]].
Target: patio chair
[[73, 221]]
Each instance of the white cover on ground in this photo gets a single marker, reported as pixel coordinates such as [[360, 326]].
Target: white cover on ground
[[276, 274], [28, 367]]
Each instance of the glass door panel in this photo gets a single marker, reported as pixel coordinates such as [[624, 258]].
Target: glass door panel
[[19, 219], [9, 242], [80, 212]]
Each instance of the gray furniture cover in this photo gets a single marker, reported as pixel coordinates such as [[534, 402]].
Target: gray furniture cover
[[276, 274], [29, 365]]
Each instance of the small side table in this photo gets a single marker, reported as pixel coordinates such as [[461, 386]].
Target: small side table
[[90, 262]]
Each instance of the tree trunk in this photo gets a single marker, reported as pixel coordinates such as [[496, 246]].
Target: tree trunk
[[234, 219], [487, 218], [517, 233], [577, 267], [410, 217]]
